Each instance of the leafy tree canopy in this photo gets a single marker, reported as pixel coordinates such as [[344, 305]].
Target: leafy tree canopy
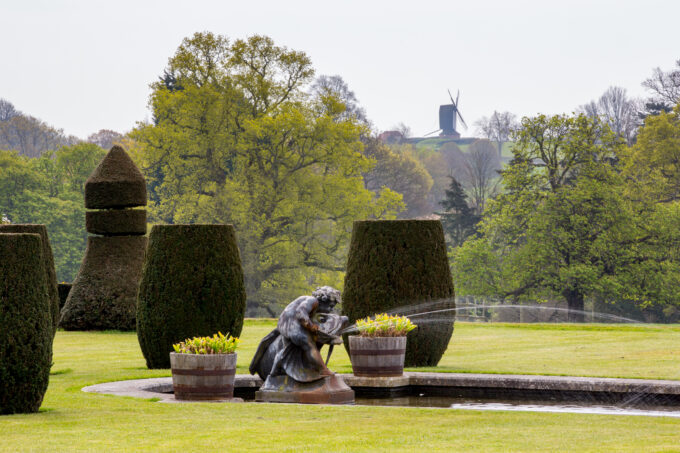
[[565, 226], [237, 138], [49, 190]]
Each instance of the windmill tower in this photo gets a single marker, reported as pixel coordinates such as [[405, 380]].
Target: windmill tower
[[448, 115]]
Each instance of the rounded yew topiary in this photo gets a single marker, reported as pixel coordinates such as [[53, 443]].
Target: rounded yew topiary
[[401, 266], [192, 285], [25, 324], [48, 264]]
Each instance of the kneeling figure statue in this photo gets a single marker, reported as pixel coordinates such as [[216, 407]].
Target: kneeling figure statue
[[289, 359]]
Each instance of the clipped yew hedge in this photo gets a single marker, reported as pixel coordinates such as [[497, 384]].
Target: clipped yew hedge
[[402, 264], [25, 324], [48, 265], [116, 222], [192, 285], [104, 293]]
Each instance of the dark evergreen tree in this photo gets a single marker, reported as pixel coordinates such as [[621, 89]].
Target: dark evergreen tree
[[48, 265], [396, 266], [458, 219], [25, 324], [192, 285]]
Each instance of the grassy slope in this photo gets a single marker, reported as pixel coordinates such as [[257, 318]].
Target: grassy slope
[[434, 143], [73, 420]]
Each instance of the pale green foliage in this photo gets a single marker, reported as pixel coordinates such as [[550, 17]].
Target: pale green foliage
[[217, 344], [238, 140], [652, 165], [397, 169], [49, 190], [568, 225], [384, 325]]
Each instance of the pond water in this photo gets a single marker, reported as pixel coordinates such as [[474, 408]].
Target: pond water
[[520, 406]]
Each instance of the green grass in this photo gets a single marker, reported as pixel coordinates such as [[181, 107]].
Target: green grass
[[71, 420], [625, 351]]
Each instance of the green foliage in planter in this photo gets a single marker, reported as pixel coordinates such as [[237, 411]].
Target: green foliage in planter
[[217, 344], [25, 324], [384, 325], [48, 265], [192, 285], [401, 266]]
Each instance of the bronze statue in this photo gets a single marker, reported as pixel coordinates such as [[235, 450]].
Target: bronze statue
[[289, 360]]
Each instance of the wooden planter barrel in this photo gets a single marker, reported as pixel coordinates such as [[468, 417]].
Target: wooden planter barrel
[[203, 376], [377, 356]]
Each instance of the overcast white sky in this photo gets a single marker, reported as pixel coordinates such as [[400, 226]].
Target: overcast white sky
[[86, 65]]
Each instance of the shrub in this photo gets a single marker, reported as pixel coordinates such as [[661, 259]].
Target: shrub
[[25, 324], [63, 288], [115, 183], [395, 266], [116, 222], [48, 264], [192, 285], [384, 325], [217, 344], [104, 293]]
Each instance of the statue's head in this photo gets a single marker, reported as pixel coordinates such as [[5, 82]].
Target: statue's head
[[328, 298]]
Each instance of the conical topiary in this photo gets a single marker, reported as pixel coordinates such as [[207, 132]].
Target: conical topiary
[[192, 285], [400, 264], [25, 324], [48, 264], [115, 183], [104, 294]]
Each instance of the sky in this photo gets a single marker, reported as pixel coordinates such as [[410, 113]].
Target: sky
[[82, 66]]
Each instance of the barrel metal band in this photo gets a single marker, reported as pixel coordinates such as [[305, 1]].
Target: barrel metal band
[[378, 351], [193, 372], [217, 389], [377, 370]]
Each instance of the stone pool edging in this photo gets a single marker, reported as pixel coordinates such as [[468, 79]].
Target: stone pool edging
[[460, 384]]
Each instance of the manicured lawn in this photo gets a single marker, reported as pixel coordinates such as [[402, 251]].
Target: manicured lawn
[[626, 351], [72, 420]]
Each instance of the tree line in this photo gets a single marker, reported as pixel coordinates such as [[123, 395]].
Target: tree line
[[242, 132]]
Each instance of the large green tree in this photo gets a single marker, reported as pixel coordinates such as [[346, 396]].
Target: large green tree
[[237, 139], [563, 226]]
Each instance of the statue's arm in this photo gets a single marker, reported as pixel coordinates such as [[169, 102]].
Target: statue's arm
[[304, 310]]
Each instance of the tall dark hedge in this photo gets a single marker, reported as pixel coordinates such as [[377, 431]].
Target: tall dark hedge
[[402, 263], [192, 285], [48, 265], [104, 294], [25, 324], [64, 289]]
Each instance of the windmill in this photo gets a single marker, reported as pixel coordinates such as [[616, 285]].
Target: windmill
[[448, 115]]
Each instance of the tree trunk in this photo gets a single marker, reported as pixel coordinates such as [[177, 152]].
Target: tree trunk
[[575, 306]]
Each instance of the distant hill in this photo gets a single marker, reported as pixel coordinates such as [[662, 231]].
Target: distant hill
[[28, 135], [435, 144]]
